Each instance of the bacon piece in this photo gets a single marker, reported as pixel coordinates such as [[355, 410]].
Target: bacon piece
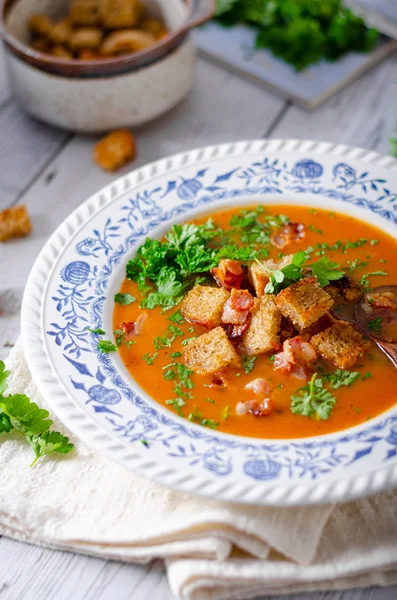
[[291, 232], [229, 274], [132, 328], [236, 314], [255, 407], [259, 386], [219, 380], [382, 300], [295, 358]]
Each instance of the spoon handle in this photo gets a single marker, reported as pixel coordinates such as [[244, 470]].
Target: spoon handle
[[389, 349]]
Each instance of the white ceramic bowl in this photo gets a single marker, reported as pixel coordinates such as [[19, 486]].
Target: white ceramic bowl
[[107, 93], [81, 267]]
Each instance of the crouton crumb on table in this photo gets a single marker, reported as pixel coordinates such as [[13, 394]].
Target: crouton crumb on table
[[211, 352], [304, 302], [14, 223], [342, 344]]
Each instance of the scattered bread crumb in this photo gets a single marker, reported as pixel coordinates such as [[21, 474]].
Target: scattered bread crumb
[[115, 150], [14, 223]]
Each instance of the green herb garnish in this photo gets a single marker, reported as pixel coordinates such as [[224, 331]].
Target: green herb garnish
[[124, 299], [341, 377], [19, 413], [106, 346], [313, 400], [248, 363], [375, 324]]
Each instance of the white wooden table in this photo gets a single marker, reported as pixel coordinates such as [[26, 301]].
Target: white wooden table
[[52, 172]]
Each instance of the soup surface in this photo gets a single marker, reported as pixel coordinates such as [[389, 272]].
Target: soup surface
[[305, 382]]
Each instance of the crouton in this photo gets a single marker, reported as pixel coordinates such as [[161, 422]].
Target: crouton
[[304, 302], [119, 13], [345, 289], [85, 38], [61, 32], [204, 305], [263, 333], [342, 344], [115, 149], [210, 352], [258, 275], [14, 222], [84, 12], [40, 25]]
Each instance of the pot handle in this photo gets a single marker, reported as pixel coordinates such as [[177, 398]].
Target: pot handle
[[200, 12]]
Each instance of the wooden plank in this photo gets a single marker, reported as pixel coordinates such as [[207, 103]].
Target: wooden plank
[[362, 115], [26, 148]]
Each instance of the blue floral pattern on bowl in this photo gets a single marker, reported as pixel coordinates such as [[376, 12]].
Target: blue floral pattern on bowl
[[93, 262]]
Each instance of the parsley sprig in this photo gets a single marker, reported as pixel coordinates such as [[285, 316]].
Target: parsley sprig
[[19, 413], [324, 269], [313, 400]]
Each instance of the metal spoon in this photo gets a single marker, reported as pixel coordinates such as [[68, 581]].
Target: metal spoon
[[363, 312]]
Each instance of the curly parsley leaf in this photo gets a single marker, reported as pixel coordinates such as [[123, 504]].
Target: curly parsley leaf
[[124, 299], [248, 363], [106, 346], [19, 413], [49, 442], [24, 414], [3, 377], [326, 271], [341, 377], [313, 400]]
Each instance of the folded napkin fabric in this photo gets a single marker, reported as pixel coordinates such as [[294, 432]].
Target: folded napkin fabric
[[84, 503]]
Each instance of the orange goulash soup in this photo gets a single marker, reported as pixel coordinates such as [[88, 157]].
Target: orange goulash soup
[[358, 249]]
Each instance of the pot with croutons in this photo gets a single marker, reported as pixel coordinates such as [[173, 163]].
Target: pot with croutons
[[230, 321]]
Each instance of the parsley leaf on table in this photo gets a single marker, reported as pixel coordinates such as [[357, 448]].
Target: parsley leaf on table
[[19, 413], [49, 442], [313, 400]]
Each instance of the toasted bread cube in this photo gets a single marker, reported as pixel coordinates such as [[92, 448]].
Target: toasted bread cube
[[40, 25], [262, 334], [84, 12], [210, 352], [86, 37], [61, 31], [116, 14], [304, 302], [342, 344], [204, 305], [14, 222], [258, 274], [115, 150]]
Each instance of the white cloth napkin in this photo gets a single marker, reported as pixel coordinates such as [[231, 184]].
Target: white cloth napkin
[[84, 503]]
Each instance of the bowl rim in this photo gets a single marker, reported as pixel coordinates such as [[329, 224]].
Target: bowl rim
[[263, 491], [106, 65]]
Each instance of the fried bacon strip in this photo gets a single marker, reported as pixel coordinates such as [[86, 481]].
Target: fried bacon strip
[[236, 315], [229, 274], [291, 232]]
